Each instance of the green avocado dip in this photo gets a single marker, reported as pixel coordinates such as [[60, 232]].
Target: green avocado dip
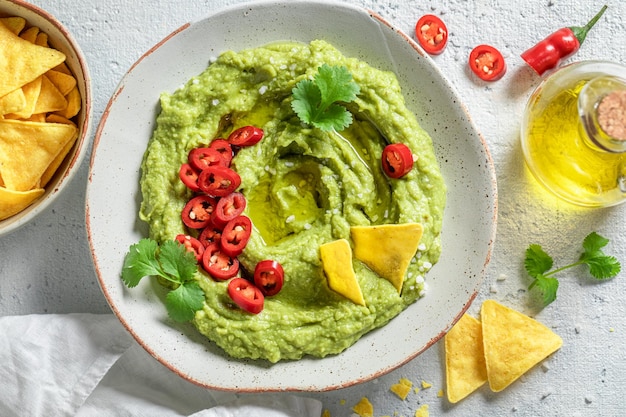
[[304, 187]]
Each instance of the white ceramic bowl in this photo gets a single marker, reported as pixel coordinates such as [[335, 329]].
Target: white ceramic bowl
[[59, 38], [113, 194]]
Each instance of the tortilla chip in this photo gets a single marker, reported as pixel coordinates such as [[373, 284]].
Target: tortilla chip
[[12, 202], [13, 102], [50, 98], [30, 34], [14, 23], [42, 39], [21, 61], [54, 165], [73, 104], [513, 343], [64, 82], [62, 67], [465, 358], [55, 118], [336, 259], [28, 148], [31, 94]]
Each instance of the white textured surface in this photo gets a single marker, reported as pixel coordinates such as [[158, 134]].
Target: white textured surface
[[46, 266]]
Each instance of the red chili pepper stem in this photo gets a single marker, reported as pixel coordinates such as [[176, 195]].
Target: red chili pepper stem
[[581, 31]]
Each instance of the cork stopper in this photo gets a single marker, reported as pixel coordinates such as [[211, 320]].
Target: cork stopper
[[611, 114]]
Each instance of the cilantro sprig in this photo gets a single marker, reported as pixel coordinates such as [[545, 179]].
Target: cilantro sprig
[[539, 265], [172, 262], [316, 101]]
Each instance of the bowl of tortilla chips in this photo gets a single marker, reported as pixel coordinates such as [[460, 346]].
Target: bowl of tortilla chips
[[44, 111]]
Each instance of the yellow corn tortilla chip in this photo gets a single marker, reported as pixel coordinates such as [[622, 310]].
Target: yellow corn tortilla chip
[[55, 118], [42, 39], [21, 61], [14, 23], [31, 94], [30, 34], [73, 104], [54, 165], [63, 81], [513, 343], [28, 148], [12, 202], [13, 102], [50, 98], [465, 358]]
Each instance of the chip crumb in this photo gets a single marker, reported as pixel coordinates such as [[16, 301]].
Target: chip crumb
[[402, 388], [364, 408], [426, 385], [440, 393], [422, 411], [326, 413]]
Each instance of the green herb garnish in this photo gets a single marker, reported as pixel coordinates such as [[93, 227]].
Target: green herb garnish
[[538, 264], [172, 262], [315, 101]]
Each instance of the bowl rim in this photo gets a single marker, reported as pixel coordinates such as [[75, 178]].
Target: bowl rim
[[73, 160]]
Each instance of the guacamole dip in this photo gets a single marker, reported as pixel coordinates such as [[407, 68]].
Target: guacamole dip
[[304, 187]]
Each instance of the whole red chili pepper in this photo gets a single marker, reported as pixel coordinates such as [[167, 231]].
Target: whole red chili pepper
[[548, 53]]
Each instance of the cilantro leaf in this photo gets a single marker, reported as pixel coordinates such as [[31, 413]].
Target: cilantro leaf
[[183, 302], [315, 101], [537, 261], [172, 262], [177, 261], [139, 262], [538, 264], [547, 286]]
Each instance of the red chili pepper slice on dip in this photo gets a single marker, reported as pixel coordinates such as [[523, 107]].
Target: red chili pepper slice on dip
[[202, 158], [197, 212], [224, 148], [269, 277], [236, 235], [487, 63], [218, 264], [192, 245], [245, 136], [189, 177], [432, 34], [218, 181], [246, 295], [397, 160], [228, 208], [210, 235]]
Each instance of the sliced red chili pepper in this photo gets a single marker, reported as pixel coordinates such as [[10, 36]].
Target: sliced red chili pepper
[[397, 160], [211, 234], [189, 177], [202, 158], [269, 277], [432, 34], [197, 212], [228, 208], [218, 181], [224, 148], [245, 136], [246, 295], [192, 245], [218, 264], [487, 63], [557, 46], [236, 235]]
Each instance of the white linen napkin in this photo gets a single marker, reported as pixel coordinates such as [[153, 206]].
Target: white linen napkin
[[87, 365]]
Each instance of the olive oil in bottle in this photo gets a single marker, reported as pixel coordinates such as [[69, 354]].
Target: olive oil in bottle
[[574, 133]]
